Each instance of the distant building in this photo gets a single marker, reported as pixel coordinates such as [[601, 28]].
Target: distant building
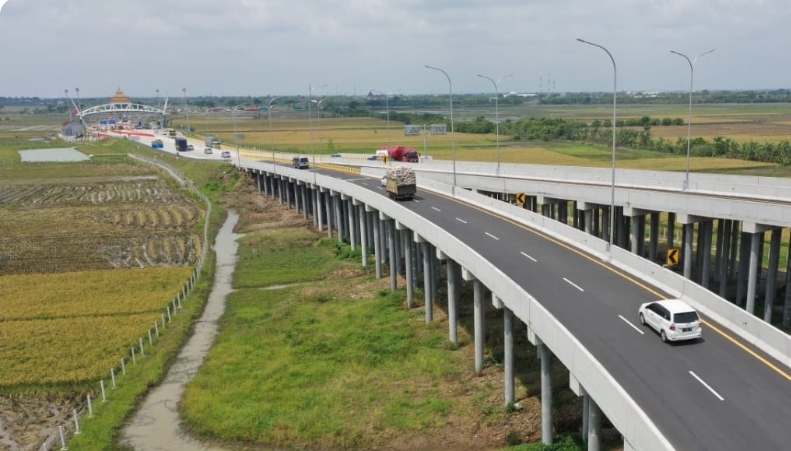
[[72, 128]]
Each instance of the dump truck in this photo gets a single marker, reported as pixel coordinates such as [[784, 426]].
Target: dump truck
[[157, 144], [399, 153], [213, 142], [181, 144], [400, 182]]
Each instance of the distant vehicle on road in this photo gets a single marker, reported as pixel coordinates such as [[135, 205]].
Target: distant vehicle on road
[[300, 162], [673, 319], [225, 154], [157, 144], [336, 155], [207, 150], [181, 144], [190, 147]]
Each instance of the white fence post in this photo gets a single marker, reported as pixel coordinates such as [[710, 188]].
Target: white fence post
[[63, 446], [90, 407], [112, 376], [76, 423], [104, 394], [123, 366]]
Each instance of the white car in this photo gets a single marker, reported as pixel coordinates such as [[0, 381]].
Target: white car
[[190, 147], [384, 180], [225, 154], [207, 150], [673, 319]]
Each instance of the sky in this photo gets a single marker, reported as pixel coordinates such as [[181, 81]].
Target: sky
[[287, 47]]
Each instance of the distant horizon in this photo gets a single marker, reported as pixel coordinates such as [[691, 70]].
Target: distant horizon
[[71, 95]]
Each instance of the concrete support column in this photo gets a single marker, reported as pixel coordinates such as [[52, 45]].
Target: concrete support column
[[478, 321], [755, 242], [453, 297], [706, 228], [723, 257], [329, 212], [771, 276], [734, 248], [638, 228], [364, 235], [744, 267], [352, 224], [671, 230], [688, 235], [718, 245], [508, 356], [305, 202], [428, 294], [586, 398], [621, 228], [288, 193], [315, 199], [391, 233], [586, 220], [546, 394], [377, 245], [596, 222], [605, 220], [319, 208], [382, 238], [410, 286], [653, 240], [258, 181], [787, 305], [594, 426], [337, 202]]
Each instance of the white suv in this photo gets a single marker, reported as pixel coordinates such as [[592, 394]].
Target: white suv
[[674, 319]]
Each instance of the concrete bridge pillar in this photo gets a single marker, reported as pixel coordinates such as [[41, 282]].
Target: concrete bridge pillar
[[407, 245], [352, 226], [587, 216], [337, 203], [364, 242], [508, 349], [653, 240], [428, 294], [705, 229], [755, 231], [594, 426], [723, 260], [545, 355], [771, 277], [453, 296], [638, 228], [689, 232], [329, 212], [305, 201], [391, 233], [377, 244], [319, 208], [744, 266], [478, 317], [671, 230]]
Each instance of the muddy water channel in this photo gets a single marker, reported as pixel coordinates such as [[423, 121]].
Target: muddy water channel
[[155, 426]]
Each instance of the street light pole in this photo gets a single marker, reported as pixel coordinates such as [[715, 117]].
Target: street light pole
[[689, 120], [271, 133], [158, 98], [236, 137], [310, 123], [452, 138], [186, 109], [614, 91], [387, 106], [318, 120], [496, 113], [68, 107]]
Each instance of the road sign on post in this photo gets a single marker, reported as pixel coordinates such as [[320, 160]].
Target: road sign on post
[[672, 256], [521, 198]]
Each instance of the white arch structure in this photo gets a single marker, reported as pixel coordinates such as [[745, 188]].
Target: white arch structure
[[121, 108]]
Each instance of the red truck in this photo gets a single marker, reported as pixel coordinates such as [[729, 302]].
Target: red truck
[[400, 153]]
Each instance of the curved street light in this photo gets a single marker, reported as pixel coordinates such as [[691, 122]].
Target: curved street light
[[452, 139], [387, 105], [271, 133], [186, 109], [612, 189], [318, 119], [496, 113], [310, 123], [689, 120]]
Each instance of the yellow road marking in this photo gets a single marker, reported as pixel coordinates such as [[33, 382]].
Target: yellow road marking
[[728, 337]]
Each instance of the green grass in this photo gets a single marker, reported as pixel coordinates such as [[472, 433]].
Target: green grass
[[308, 366], [269, 258]]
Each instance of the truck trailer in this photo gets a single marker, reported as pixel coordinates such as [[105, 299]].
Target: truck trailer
[[399, 153], [400, 183]]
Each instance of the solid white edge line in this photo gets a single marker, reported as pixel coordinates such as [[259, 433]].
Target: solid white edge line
[[435, 208], [531, 258], [573, 284], [630, 323], [707, 386], [498, 239], [461, 220]]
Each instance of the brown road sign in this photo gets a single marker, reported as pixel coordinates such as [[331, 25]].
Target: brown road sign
[[672, 256]]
